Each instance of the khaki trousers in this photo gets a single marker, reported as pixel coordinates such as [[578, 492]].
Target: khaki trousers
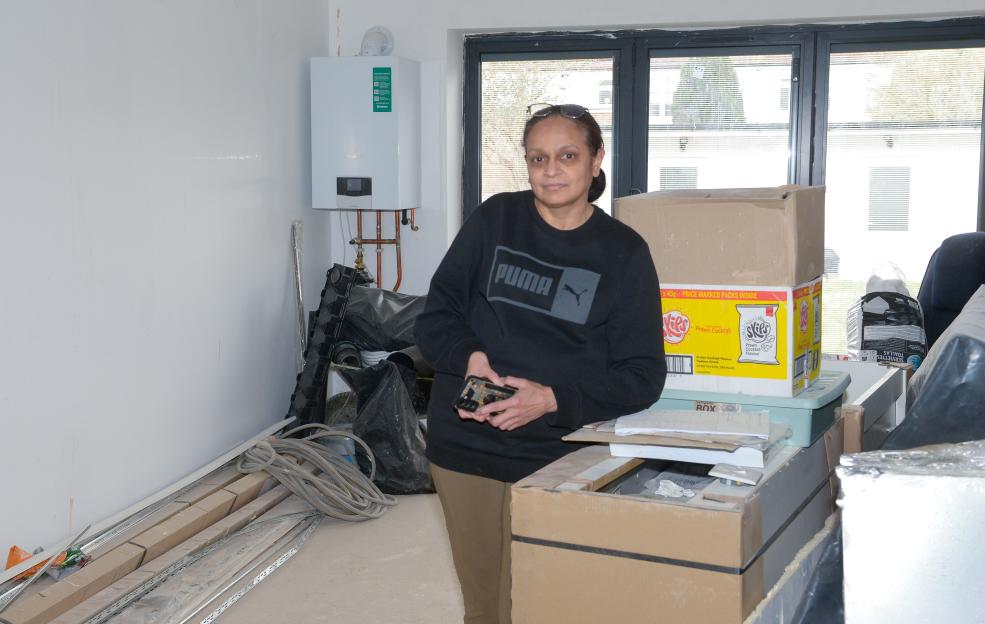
[[477, 514]]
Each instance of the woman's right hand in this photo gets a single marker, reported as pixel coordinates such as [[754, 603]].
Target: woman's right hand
[[478, 365]]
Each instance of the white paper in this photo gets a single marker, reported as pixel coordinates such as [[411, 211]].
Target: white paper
[[658, 422]]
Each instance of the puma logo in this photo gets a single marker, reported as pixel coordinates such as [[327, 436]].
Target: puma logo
[[524, 279], [577, 295]]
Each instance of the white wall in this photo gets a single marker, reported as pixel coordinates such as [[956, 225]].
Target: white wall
[[432, 32], [152, 157]]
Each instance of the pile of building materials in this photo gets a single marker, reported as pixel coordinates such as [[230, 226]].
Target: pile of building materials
[[192, 546]]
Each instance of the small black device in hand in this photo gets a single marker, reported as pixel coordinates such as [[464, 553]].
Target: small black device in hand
[[479, 391]]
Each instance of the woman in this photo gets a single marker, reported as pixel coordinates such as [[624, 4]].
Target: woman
[[542, 291]]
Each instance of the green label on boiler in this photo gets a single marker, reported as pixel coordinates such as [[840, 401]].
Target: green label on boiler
[[382, 90]]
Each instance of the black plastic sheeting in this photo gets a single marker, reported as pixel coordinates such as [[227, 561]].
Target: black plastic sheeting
[[945, 401], [946, 397], [385, 419], [824, 602], [381, 320]]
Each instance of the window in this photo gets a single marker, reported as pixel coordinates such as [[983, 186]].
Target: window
[[719, 116], [889, 199], [902, 163], [510, 86], [888, 117]]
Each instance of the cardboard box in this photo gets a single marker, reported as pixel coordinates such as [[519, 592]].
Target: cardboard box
[[759, 237], [92, 606], [106, 570], [216, 506], [42, 606], [743, 340], [170, 533], [247, 488], [210, 484], [854, 418], [581, 555], [157, 517], [880, 391]]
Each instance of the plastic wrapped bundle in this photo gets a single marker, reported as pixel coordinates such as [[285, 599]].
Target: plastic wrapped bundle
[[887, 327], [381, 320], [947, 394], [911, 525]]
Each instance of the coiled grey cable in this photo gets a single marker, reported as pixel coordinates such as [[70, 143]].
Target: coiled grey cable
[[319, 475]]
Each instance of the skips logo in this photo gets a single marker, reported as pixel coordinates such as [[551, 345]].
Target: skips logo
[[520, 279], [757, 333], [676, 326]]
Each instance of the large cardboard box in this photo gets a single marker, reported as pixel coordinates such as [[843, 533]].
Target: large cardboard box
[[583, 555], [740, 285], [742, 340], [740, 237]]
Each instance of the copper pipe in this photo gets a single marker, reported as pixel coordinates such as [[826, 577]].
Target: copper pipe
[[379, 249], [400, 267], [379, 241], [359, 237]]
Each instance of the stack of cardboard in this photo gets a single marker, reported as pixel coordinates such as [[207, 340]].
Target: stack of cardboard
[[740, 285], [582, 551]]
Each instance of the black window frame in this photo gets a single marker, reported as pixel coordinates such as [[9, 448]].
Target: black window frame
[[812, 46]]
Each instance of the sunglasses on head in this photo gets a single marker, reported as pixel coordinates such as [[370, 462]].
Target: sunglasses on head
[[542, 109]]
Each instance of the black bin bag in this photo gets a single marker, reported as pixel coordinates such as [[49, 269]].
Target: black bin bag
[[385, 419], [946, 396], [381, 320]]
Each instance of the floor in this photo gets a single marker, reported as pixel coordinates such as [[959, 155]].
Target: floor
[[395, 569]]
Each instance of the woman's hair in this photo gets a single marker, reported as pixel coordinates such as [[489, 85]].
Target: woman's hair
[[589, 129]]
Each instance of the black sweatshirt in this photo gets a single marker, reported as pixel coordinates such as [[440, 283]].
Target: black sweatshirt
[[577, 310]]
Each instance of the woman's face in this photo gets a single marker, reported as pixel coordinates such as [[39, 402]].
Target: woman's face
[[560, 164]]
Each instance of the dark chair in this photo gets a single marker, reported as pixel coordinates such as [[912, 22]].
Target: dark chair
[[954, 273]]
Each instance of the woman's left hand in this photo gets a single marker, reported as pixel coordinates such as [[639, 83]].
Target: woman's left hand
[[531, 401]]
